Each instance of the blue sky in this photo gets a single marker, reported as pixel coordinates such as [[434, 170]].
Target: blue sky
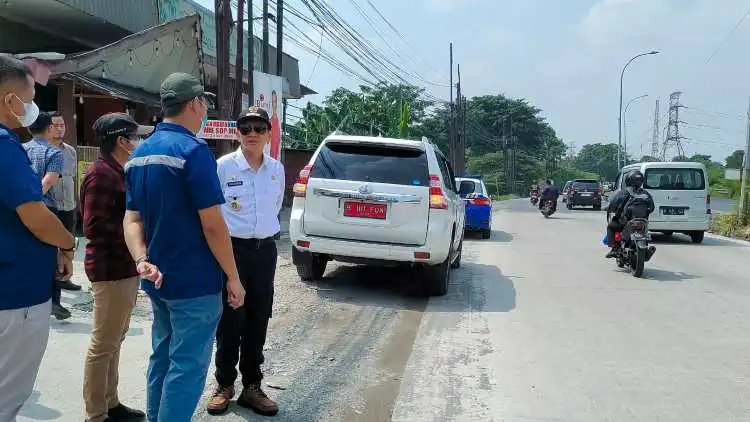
[[565, 57]]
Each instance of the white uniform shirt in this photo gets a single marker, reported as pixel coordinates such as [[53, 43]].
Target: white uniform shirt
[[253, 198]]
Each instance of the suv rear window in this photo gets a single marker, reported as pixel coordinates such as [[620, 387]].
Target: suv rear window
[[371, 163], [469, 186], [674, 179], [586, 185]]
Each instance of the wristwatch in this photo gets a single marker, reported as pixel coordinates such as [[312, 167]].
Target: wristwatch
[[143, 258]]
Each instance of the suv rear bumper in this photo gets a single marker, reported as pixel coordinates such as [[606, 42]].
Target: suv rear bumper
[[358, 252], [679, 226], [585, 200]]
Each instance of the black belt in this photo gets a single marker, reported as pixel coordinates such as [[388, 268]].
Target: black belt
[[253, 242]]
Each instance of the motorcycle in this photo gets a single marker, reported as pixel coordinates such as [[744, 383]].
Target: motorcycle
[[548, 208], [534, 199], [634, 251]]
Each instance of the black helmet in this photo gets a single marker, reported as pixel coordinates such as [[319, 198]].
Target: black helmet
[[634, 179]]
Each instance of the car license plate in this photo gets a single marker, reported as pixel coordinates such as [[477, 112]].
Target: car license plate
[[586, 194], [364, 210], [672, 211]]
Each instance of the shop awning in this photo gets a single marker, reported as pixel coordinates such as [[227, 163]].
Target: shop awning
[[135, 66], [114, 89]]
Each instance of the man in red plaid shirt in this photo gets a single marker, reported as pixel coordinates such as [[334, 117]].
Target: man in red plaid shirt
[[109, 265]]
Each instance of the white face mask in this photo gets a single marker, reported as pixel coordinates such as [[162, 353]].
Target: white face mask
[[31, 112]]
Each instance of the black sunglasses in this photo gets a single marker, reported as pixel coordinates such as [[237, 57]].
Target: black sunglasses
[[246, 129]]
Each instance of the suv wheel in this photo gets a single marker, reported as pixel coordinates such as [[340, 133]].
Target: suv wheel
[[313, 269], [697, 237], [457, 262], [437, 276]]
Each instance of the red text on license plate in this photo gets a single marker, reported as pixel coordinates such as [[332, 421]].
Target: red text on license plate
[[364, 210]]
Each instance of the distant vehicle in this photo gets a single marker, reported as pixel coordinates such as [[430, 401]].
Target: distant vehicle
[[565, 190], [378, 201], [585, 192], [681, 197], [548, 208], [478, 205]]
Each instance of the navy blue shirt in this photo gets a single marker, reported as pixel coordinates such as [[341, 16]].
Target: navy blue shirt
[[170, 177], [27, 265]]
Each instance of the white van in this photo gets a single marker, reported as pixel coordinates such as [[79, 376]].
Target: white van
[[681, 196]]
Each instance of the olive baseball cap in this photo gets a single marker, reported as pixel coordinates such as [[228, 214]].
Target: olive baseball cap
[[255, 113], [180, 87], [119, 124]]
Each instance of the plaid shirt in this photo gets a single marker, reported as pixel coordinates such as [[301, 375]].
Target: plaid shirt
[[45, 159], [103, 208]]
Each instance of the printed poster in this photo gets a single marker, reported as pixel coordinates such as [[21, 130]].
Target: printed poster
[[268, 96]]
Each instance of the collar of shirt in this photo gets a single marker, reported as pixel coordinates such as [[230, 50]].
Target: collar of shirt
[[40, 140], [111, 162], [172, 127], [241, 161]]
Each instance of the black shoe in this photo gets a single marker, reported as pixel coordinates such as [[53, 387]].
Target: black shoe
[[124, 413], [59, 311], [68, 285]]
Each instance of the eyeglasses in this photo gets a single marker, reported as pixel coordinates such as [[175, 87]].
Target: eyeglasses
[[246, 129]]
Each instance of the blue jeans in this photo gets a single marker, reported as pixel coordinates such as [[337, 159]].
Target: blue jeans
[[182, 339]]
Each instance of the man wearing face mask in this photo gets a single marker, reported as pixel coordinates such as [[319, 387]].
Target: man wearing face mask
[[48, 162], [173, 205], [109, 266], [253, 185], [32, 240]]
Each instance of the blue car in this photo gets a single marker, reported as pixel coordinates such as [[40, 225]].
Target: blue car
[[478, 205]]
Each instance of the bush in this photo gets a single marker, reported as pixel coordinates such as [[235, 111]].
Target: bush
[[727, 225]]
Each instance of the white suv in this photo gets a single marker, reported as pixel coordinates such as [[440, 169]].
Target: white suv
[[382, 201]]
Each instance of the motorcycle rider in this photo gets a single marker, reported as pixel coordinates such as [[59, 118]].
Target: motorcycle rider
[[550, 192], [627, 204]]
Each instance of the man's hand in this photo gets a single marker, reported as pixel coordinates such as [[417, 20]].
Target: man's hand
[[150, 272], [64, 265], [235, 294]]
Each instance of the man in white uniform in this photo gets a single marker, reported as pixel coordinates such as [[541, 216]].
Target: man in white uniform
[[253, 186]]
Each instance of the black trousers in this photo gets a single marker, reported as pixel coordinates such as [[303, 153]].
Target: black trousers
[[68, 219], [241, 334]]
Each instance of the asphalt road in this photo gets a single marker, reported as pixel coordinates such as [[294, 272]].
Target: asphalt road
[[537, 326]]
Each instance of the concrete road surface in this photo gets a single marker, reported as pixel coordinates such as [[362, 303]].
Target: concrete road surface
[[537, 326]]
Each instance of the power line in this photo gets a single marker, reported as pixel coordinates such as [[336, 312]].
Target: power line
[[728, 36]]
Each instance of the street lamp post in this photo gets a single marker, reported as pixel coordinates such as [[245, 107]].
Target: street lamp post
[[624, 127], [619, 116]]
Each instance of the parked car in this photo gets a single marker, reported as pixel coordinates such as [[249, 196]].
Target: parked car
[[378, 201], [681, 196], [586, 193], [478, 205], [565, 190]]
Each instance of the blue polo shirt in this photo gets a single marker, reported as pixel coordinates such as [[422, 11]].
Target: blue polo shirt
[[27, 265], [170, 177]]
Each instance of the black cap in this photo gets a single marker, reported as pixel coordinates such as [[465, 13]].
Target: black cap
[[119, 124], [180, 87], [255, 113], [42, 122]]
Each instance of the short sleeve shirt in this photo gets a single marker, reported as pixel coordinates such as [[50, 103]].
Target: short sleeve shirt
[[27, 265], [45, 159], [169, 178]]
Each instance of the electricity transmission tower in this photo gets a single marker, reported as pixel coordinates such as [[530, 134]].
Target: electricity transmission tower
[[655, 135], [673, 127]]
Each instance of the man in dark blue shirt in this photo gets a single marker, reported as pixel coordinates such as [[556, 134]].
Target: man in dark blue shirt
[[179, 240], [31, 236], [550, 192]]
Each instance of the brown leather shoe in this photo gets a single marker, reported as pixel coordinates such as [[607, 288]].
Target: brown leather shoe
[[219, 402], [255, 399]]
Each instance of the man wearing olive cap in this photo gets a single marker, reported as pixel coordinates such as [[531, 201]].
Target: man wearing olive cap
[[180, 243]]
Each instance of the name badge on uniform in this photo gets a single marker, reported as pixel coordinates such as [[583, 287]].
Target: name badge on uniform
[[234, 183], [235, 205]]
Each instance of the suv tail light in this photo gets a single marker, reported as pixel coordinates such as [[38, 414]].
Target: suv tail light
[[300, 188], [480, 201], [708, 203], [437, 197]]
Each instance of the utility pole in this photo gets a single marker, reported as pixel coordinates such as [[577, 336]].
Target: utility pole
[[239, 66], [452, 135], [673, 128], [250, 55], [279, 36], [655, 133], [265, 36], [466, 137], [223, 20], [743, 211], [457, 163]]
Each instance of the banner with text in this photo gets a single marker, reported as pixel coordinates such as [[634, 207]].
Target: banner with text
[[218, 129]]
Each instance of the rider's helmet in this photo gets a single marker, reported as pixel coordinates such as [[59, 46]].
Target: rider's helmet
[[634, 179]]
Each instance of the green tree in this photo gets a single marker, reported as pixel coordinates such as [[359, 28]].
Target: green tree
[[599, 159], [734, 161]]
